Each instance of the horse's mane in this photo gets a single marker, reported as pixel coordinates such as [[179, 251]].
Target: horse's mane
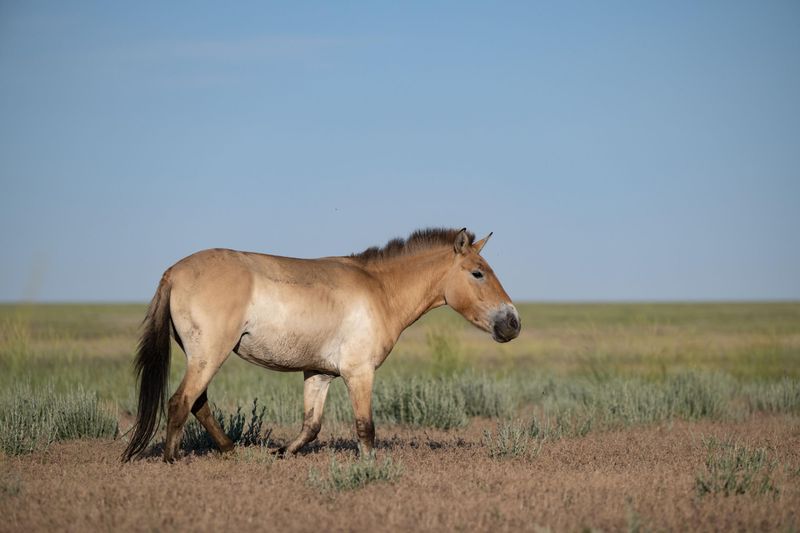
[[421, 239]]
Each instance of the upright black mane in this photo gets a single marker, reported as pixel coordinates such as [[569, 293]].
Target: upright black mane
[[422, 239]]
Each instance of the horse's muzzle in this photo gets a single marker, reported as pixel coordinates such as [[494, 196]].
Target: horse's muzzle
[[506, 324]]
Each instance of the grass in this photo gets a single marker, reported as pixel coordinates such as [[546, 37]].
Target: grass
[[417, 401], [619, 402], [260, 454], [745, 340], [10, 486], [566, 423], [577, 368], [354, 473], [634, 520], [240, 428], [732, 468], [446, 353], [561, 407], [31, 420], [774, 397], [512, 440]]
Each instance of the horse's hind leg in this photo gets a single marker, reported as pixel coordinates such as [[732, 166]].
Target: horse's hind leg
[[315, 390], [202, 411], [200, 368]]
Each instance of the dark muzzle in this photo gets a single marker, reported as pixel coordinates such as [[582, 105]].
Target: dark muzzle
[[506, 326]]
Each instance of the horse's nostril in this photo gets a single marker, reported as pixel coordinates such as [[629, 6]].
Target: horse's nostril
[[513, 323]]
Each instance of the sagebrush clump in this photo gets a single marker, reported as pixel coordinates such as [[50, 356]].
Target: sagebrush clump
[[733, 468], [31, 420], [354, 473]]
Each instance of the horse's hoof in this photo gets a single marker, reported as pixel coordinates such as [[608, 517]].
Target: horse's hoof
[[227, 448], [281, 452]]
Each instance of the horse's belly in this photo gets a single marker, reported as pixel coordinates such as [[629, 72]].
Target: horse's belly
[[331, 336], [286, 353]]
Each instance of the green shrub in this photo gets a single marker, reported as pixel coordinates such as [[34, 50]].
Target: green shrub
[[422, 401], [565, 423], [30, 420], [15, 349], [692, 396], [79, 416], [280, 394], [511, 440], [732, 468], [428, 402], [446, 356], [687, 396], [27, 422], [259, 454], [354, 473], [486, 396], [777, 397], [236, 425], [443, 402], [622, 402]]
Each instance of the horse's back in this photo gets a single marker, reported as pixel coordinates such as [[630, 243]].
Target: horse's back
[[221, 274]]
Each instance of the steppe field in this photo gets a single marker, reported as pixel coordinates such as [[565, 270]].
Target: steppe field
[[608, 417]]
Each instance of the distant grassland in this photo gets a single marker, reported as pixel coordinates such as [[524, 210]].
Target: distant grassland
[[747, 340], [574, 367], [750, 341]]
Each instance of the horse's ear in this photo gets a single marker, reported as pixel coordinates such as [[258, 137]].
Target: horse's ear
[[461, 244], [478, 246]]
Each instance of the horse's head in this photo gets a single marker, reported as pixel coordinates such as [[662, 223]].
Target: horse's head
[[472, 289]]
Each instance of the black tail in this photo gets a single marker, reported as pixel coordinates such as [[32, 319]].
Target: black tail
[[152, 369]]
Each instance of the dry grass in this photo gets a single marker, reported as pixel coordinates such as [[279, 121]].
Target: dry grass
[[743, 339], [608, 481], [604, 417]]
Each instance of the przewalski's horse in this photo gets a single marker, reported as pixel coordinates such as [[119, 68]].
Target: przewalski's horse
[[328, 317]]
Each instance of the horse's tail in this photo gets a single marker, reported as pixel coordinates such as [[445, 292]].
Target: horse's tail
[[152, 369]]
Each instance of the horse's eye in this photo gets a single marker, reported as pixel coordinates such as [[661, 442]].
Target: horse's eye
[[477, 274]]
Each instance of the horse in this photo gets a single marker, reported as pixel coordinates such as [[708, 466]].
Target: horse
[[326, 317]]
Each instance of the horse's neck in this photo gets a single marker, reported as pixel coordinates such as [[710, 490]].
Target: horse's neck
[[414, 284]]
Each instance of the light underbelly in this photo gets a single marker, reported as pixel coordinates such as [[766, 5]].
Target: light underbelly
[[286, 353]]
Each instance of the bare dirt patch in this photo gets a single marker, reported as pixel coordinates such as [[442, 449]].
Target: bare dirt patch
[[636, 478]]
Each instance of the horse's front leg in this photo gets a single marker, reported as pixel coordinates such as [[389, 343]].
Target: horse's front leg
[[359, 385], [315, 390]]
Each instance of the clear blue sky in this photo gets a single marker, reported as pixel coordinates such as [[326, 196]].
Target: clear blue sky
[[618, 150]]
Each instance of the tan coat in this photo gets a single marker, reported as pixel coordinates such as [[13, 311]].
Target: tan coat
[[328, 317]]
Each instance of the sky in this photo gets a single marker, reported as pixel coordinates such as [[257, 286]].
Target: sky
[[617, 150]]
